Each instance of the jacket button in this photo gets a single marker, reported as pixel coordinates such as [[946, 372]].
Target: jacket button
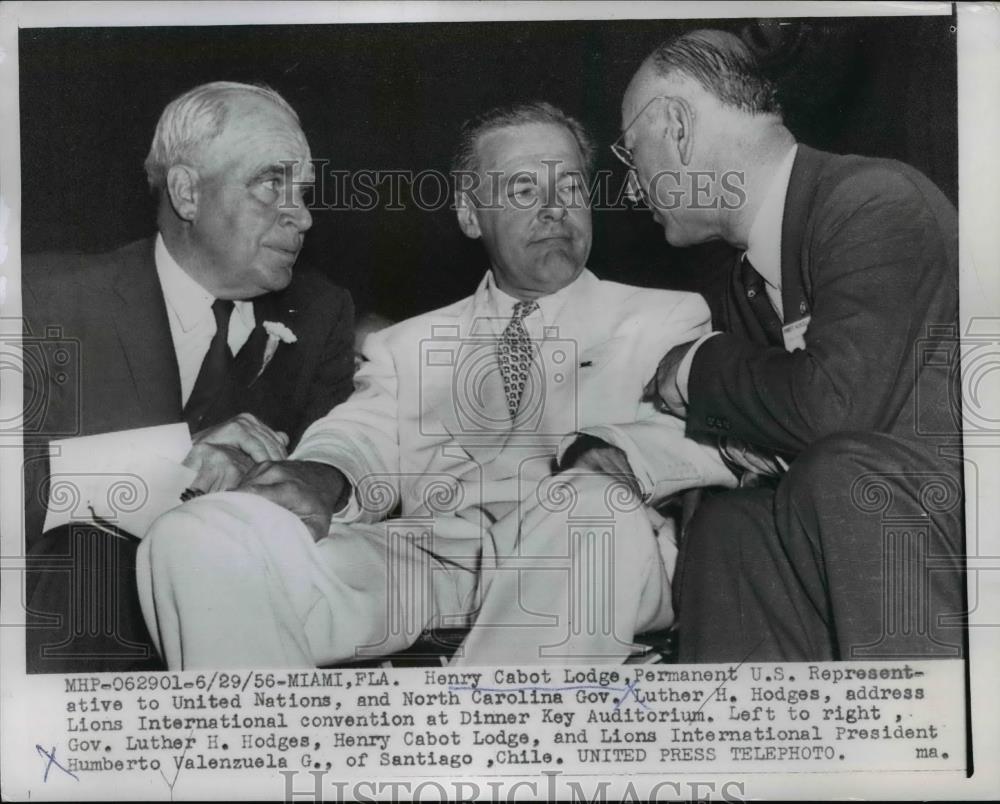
[[751, 293]]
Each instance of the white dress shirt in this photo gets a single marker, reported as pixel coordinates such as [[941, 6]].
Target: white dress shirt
[[192, 323], [764, 239], [501, 306], [763, 251]]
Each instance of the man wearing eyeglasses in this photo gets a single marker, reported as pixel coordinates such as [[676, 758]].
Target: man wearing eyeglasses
[[814, 386]]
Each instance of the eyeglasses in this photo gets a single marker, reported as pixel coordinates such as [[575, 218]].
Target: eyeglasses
[[619, 149]]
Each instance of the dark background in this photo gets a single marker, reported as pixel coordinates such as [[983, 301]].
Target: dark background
[[392, 96]]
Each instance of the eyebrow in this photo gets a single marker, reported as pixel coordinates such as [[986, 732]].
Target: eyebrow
[[280, 170]]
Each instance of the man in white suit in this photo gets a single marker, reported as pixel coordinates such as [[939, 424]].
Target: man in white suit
[[454, 486]]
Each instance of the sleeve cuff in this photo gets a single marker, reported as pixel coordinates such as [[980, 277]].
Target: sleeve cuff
[[684, 369], [679, 464]]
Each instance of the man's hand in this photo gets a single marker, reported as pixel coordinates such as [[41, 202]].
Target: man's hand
[[223, 454], [312, 491], [663, 389], [590, 454]]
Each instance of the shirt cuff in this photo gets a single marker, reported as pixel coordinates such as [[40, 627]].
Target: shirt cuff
[[684, 369], [680, 463], [351, 511]]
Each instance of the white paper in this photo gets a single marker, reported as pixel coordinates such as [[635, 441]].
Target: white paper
[[126, 478]]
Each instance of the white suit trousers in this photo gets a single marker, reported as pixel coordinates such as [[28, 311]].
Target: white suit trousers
[[232, 580]]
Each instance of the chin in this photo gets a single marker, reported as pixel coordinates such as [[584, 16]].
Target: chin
[[561, 270], [277, 278], [682, 239]]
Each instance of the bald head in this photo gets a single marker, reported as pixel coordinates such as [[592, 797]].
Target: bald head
[[699, 115], [722, 65]]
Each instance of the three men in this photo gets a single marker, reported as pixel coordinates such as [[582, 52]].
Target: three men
[[173, 329], [431, 497], [496, 465], [849, 270]]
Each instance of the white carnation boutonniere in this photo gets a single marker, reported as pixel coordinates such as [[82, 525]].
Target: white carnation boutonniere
[[277, 333]]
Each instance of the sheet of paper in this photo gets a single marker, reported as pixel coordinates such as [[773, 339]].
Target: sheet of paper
[[126, 478]]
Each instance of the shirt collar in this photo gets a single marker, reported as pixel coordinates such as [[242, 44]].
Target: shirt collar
[[764, 240], [185, 298], [550, 306]]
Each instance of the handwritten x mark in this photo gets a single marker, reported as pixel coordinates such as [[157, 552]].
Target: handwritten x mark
[[50, 756]]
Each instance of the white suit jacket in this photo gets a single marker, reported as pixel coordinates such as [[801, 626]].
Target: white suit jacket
[[427, 433]]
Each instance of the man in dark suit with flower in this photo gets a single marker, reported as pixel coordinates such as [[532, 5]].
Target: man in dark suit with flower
[[205, 323]]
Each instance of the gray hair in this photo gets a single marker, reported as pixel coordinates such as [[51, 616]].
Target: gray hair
[[723, 64], [194, 119], [466, 158]]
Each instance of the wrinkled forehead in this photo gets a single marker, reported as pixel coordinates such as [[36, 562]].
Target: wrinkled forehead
[[257, 133], [541, 150]]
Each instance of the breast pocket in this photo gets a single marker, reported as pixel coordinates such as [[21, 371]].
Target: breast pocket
[[609, 385]]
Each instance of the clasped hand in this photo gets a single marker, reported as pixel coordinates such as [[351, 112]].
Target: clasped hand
[[663, 389], [312, 491], [590, 454], [223, 454]]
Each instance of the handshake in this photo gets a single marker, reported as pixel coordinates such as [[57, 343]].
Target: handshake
[[244, 454]]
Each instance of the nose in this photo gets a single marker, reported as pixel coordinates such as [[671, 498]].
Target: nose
[[552, 207], [633, 190], [298, 214]]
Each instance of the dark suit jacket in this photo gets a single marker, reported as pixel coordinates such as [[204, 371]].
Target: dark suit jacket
[[99, 355], [869, 249]]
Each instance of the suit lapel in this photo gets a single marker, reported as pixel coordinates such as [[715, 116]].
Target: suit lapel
[[250, 358], [580, 331], [742, 317], [144, 333], [474, 408], [798, 203]]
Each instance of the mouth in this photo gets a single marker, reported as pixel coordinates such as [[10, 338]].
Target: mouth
[[287, 253], [552, 239]]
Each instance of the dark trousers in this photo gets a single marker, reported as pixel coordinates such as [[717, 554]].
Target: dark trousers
[[83, 606], [856, 553]]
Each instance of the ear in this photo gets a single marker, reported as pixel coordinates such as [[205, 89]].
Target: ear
[[468, 217], [680, 127], [182, 188]]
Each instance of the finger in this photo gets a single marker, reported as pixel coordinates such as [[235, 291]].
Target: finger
[[229, 476], [275, 492], [619, 467], [277, 441], [588, 462], [260, 443], [288, 496], [193, 459], [651, 391], [205, 480], [251, 435], [258, 473]]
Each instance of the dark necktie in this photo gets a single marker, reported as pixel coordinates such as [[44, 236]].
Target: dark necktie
[[214, 383], [753, 286], [515, 355]]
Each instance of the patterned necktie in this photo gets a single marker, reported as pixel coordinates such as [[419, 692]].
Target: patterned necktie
[[213, 384], [515, 354]]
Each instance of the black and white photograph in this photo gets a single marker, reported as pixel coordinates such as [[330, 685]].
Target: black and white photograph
[[427, 395]]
